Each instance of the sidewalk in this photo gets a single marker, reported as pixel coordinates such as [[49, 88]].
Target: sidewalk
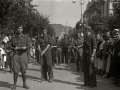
[[65, 78]]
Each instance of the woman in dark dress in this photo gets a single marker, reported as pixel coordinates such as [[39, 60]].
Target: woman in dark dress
[[46, 62]]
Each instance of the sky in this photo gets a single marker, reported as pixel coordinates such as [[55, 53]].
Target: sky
[[61, 11]]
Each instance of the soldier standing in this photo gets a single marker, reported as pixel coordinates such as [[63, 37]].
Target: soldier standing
[[53, 50], [72, 51], [58, 51], [79, 52], [20, 44], [89, 50], [65, 47]]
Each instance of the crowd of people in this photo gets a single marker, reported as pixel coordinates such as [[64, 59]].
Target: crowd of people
[[107, 62], [92, 54]]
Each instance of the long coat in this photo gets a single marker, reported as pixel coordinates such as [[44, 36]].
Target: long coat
[[88, 67]]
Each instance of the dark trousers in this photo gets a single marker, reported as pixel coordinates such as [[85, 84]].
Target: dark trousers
[[58, 55], [9, 61], [89, 72], [45, 67], [53, 56], [115, 66], [37, 54], [72, 56], [79, 59], [90, 77], [79, 62], [65, 54], [116, 69]]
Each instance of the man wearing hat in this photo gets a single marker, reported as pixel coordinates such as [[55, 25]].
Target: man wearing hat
[[89, 50]]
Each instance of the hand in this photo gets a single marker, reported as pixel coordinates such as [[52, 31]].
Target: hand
[[92, 59], [42, 53], [23, 48]]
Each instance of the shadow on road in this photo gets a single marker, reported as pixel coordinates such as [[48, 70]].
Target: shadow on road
[[62, 69], [32, 78], [7, 85], [38, 70], [66, 82]]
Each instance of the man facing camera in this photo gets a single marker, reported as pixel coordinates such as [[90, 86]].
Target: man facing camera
[[20, 45], [89, 50]]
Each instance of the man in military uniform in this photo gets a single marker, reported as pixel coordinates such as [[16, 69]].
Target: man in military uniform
[[37, 48], [79, 52], [53, 51], [65, 47], [89, 50], [72, 51], [20, 44]]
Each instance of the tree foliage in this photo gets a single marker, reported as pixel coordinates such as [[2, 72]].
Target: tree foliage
[[22, 12], [106, 23]]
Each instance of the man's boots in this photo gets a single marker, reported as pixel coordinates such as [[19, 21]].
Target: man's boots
[[24, 81], [15, 81]]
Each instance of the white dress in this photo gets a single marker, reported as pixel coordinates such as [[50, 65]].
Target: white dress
[[3, 52]]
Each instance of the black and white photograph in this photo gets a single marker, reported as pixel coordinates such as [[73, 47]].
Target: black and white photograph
[[59, 44]]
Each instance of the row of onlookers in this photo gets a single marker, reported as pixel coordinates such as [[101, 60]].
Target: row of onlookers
[[107, 62], [5, 51]]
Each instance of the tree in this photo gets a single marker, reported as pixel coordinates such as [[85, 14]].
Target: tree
[[22, 12]]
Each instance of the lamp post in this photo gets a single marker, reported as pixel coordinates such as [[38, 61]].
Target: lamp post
[[81, 3]]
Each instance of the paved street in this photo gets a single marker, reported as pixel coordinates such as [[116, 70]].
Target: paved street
[[65, 78]]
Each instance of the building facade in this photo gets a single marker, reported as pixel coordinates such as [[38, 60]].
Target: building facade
[[100, 8]]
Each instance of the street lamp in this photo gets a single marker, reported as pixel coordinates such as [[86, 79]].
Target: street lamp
[[81, 3]]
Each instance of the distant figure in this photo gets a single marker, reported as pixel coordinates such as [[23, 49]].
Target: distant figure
[[53, 50], [79, 52], [59, 51], [65, 47]]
